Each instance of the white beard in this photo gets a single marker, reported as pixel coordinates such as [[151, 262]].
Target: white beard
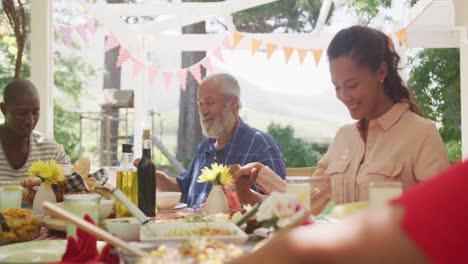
[[222, 124]]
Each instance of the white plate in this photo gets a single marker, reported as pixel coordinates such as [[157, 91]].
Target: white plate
[[36, 251], [180, 206], [159, 231]]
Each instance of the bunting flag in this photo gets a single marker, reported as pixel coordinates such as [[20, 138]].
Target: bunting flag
[[401, 35], [81, 30], [218, 54], [66, 33], [255, 45], [124, 55], [111, 42], [287, 53], [206, 63], [227, 43], [167, 79], [317, 55], [302, 54], [270, 49], [152, 73], [138, 66], [182, 75], [237, 36], [91, 25], [195, 71]]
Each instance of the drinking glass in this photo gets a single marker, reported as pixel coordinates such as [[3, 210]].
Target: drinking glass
[[79, 205], [382, 192], [302, 192], [11, 194]]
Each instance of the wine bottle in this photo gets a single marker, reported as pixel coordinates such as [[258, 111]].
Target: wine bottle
[[127, 180], [147, 178]]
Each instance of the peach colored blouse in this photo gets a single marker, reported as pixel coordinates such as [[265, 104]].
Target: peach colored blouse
[[401, 146]]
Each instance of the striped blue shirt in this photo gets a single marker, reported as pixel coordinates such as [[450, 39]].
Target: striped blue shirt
[[247, 145]]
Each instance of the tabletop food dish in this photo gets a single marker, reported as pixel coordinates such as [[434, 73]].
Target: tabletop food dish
[[19, 225], [126, 228]]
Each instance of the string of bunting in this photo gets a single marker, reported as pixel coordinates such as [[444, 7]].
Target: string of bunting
[[153, 72]]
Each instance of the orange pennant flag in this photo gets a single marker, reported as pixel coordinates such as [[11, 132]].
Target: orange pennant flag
[[401, 35], [270, 49], [287, 53], [302, 54], [237, 36], [317, 55], [255, 45]]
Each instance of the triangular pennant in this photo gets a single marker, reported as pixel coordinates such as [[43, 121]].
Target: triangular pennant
[[270, 47], [401, 35], [91, 25], [124, 55], [167, 79], [195, 71], [317, 55], [218, 54], [302, 54], [82, 32], [255, 45], [111, 42], [182, 75], [66, 33], [138, 66], [152, 74], [237, 36], [206, 63], [287, 53], [227, 43]]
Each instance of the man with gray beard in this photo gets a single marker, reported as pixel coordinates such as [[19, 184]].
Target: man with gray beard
[[229, 140]]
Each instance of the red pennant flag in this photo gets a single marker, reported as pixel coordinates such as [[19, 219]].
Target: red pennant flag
[[206, 63], [91, 25], [82, 32], [195, 71], [152, 74], [227, 43], [182, 75], [124, 55], [66, 33], [218, 54], [138, 66], [111, 42], [167, 79]]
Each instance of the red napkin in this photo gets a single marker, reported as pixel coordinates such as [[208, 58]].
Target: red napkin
[[84, 249], [233, 199]]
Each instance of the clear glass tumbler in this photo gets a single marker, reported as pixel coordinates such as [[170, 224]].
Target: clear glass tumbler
[[79, 205], [302, 192], [11, 194], [382, 192]]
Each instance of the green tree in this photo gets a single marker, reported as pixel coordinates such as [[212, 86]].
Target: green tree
[[296, 152]]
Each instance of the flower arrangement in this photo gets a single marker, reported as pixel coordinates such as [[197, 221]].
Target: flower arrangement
[[279, 210], [219, 174], [49, 172]]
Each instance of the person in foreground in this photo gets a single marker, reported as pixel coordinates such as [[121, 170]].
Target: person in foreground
[[230, 140], [391, 141], [20, 144], [427, 224]]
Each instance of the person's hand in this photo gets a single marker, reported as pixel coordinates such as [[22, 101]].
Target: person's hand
[[245, 176]]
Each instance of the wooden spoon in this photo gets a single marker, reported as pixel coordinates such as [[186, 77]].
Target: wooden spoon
[[92, 229]]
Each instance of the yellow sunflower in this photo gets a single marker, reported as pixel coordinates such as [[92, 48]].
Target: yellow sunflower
[[219, 174], [49, 172]]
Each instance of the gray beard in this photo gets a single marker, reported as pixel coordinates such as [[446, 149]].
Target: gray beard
[[221, 125]]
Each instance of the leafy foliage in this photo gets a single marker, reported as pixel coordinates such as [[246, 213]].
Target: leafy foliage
[[285, 15], [368, 9], [296, 151], [435, 83]]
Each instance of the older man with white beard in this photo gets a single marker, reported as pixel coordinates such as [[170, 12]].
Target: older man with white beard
[[230, 140]]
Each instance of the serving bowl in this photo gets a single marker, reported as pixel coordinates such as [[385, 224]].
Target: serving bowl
[[126, 228], [19, 225], [166, 201]]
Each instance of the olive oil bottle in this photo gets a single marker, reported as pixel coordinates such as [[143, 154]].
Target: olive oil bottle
[[127, 180]]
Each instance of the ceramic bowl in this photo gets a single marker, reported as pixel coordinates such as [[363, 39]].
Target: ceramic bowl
[[126, 228], [167, 200]]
